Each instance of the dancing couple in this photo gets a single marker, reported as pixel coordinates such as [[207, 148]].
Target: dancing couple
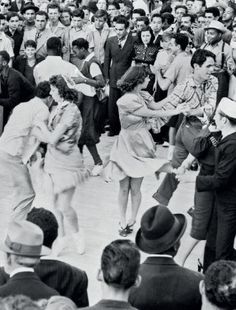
[[60, 130]]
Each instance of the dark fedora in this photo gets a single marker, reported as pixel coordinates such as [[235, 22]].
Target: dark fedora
[[160, 230], [29, 6]]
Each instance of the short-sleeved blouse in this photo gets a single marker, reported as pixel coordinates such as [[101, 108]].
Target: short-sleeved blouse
[[134, 152]]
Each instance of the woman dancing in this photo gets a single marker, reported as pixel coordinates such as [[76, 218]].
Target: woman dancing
[[133, 155], [63, 161]]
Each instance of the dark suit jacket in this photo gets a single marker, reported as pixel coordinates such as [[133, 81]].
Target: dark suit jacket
[[28, 284], [14, 7], [224, 178], [20, 65], [108, 304], [15, 88], [166, 286], [17, 38], [121, 58], [67, 280]]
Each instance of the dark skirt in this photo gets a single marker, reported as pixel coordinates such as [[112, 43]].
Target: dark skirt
[[89, 134]]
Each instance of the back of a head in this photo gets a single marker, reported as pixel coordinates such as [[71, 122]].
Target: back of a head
[[54, 46], [42, 90], [182, 40], [60, 303], [120, 264], [220, 284], [46, 220], [19, 302]]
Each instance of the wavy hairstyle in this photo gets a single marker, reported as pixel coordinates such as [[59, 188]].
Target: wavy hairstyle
[[133, 76], [64, 90]]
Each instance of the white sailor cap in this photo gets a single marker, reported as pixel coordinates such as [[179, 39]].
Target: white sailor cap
[[228, 107]]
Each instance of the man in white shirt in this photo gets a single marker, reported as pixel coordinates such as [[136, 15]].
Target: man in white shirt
[[17, 145], [55, 65]]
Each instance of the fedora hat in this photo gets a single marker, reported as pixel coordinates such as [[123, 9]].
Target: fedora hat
[[214, 24], [29, 6], [25, 239], [160, 230]]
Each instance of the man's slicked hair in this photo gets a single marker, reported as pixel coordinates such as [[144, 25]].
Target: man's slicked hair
[[120, 264], [200, 56], [220, 284]]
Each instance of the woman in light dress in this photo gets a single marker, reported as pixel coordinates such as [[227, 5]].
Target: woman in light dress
[[133, 155], [63, 161]]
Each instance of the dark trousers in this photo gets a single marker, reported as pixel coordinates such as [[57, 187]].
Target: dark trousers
[[113, 114], [221, 234], [186, 133]]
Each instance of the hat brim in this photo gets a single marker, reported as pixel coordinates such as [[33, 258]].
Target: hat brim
[[220, 30], [162, 244], [44, 251], [35, 8]]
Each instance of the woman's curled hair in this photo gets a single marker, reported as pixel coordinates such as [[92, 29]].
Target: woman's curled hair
[[133, 76], [67, 93]]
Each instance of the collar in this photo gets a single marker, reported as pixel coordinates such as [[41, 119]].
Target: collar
[[193, 84], [91, 55], [109, 303], [21, 269], [161, 255], [2, 35], [5, 73], [219, 43], [59, 25], [124, 39], [56, 58]]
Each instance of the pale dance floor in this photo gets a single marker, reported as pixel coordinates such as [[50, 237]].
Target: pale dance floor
[[96, 204]]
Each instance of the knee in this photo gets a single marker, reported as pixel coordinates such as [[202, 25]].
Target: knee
[[135, 190], [124, 191]]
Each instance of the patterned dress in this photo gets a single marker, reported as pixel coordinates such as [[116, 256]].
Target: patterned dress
[[134, 152], [63, 162]]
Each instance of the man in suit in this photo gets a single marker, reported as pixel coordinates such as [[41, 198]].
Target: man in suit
[[118, 58], [12, 83], [222, 230], [165, 285], [40, 34], [67, 280], [23, 246], [12, 32], [119, 270]]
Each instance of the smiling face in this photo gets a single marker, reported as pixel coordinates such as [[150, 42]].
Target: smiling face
[[55, 94], [213, 36], [30, 52]]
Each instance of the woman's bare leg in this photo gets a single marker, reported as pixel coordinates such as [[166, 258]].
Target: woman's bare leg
[[136, 197], [123, 200], [63, 205]]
